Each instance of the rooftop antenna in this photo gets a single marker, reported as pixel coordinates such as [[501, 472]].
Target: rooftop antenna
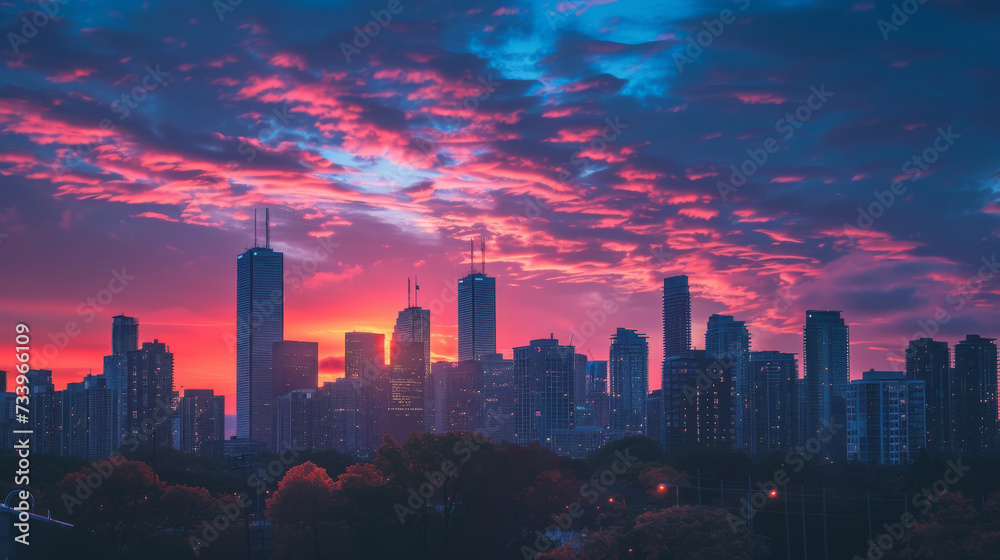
[[254, 227], [472, 256], [416, 291], [482, 241], [407, 291], [267, 227]]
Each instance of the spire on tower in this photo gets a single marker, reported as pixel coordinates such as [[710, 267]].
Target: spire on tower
[[407, 291], [254, 227], [482, 241], [267, 228]]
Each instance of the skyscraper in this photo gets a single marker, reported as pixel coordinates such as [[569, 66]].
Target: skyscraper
[[826, 361], [364, 362], [728, 341], [45, 416], [259, 324], [477, 314], [410, 355], [149, 392], [929, 361], [697, 401], [598, 401], [628, 364], [774, 403], [885, 419], [499, 397], [453, 399], [676, 316], [544, 375], [294, 365], [200, 422], [124, 338], [975, 390]]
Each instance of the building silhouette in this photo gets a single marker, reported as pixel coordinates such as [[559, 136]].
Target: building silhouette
[[409, 356], [774, 403], [697, 400], [199, 426], [885, 419], [929, 361], [124, 338], [728, 341], [364, 361], [975, 393], [826, 362], [477, 314], [294, 365], [149, 393], [544, 376], [499, 397], [676, 316], [259, 324], [628, 372]]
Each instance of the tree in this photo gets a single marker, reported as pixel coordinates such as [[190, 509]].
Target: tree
[[300, 511]]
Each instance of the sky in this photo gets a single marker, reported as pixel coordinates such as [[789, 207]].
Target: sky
[[785, 155]]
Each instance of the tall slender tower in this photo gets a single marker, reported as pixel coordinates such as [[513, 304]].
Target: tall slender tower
[[975, 390], [124, 339], [826, 360], [676, 316], [628, 365], [929, 361], [410, 366], [477, 313], [260, 319]]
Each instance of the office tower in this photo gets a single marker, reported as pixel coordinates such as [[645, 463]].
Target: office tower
[[655, 416], [124, 338], [454, 397], [975, 390], [85, 418], [45, 416], [597, 399], [336, 418], [929, 361], [544, 374], [294, 419], [259, 324], [364, 355], [676, 316], [477, 313], [774, 403], [3, 381], [294, 365], [628, 365], [200, 421], [364, 361], [499, 398], [410, 355], [825, 360], [697, 401], [728, 341], [149, 393], [885, 419]]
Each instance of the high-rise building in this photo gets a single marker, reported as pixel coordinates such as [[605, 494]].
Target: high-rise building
[[544, 375], [676, 316], [775, 400], [628, 365], [200, 422], [655, 415], [364, 361], [929, 361], [975, 390], [477, 314], [3, 381], [409, 354], [260, 323], [294, 365], [124, 338], [84, 412], [149, 393], [885, 419], [453, 398], [697, 401], [294, 422], [45, 416], [598, 403], [728, 341], [499, 398], [826, 362], [336, 416]]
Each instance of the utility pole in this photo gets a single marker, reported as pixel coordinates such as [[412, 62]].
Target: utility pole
[[788, 532], [826, 542], [805, 552]]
